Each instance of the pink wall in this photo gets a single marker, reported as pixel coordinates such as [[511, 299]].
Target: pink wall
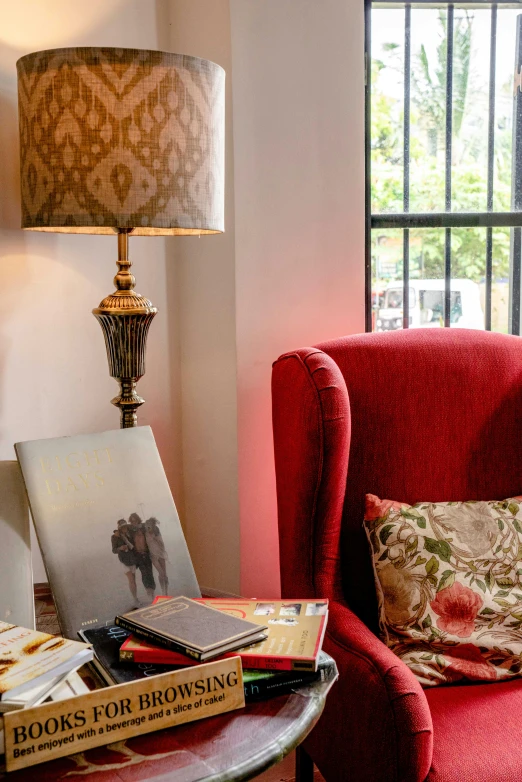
[[299, 206]]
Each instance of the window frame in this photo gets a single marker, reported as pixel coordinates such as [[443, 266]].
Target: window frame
[[447, 220]]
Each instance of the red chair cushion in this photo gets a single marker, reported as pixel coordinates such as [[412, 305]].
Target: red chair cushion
[[476, 732]]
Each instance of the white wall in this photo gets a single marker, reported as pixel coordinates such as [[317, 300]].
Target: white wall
[[298, 93], [54, 374]]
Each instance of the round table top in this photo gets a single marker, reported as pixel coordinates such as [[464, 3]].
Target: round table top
[[238, 745]]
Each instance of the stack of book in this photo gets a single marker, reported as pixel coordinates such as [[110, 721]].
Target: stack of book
[[35, 667], [112, 541], [279, 642]]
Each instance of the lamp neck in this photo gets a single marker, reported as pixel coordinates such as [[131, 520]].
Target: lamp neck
[[124, 280]]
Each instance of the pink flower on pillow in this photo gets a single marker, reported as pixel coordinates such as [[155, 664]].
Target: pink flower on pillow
[[377, 508], [467, 660], [457, 607]]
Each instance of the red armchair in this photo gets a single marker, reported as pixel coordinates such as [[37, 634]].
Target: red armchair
[[411, 415]]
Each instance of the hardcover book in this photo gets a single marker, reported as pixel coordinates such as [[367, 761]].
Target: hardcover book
[[29, 659], [266, 684], [295, 635], [16, 573], [258, 685], [106, 523], [194, 628], [106, 642]]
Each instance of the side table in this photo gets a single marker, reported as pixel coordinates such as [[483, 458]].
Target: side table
[[238, 745]]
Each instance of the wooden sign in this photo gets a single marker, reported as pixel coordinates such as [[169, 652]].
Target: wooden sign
[[108, 715]]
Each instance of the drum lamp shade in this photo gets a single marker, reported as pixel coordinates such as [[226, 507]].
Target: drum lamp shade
[[115, 139]]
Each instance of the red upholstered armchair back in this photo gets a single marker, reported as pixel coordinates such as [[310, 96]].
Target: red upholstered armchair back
[[412, 415]]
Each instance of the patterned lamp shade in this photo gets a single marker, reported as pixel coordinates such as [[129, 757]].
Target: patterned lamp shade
[[121, 139]]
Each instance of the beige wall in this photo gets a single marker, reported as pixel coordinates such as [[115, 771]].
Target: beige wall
[[287, 272], [53, 367], [206, 269], [298, 95]]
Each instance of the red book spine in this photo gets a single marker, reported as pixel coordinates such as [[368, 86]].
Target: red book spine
[[150, 654]]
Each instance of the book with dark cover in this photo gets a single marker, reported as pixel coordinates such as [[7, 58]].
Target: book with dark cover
[[258, 685], [29, 659], [294, 637], [106, 523], [191, 627], [261, 684], [106, 642]]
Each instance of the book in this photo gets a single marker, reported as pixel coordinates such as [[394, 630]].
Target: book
[[106, 523], [262, 684], [71, 686], [106, 642], [258, 685], [191, 627], [29, 659], [16, 572], [33, 696], [66, 687], [295, 635]]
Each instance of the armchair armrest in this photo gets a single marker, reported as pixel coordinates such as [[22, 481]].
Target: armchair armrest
[[377, 715]]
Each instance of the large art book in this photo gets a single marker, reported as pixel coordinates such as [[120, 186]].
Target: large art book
[[16, 573], [106, 523]]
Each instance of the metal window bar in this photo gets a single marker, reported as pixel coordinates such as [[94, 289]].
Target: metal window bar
[[516, 185], [367, 163], [406, 169], [470, 4], [449, 154], [491, 163], [448, 219]]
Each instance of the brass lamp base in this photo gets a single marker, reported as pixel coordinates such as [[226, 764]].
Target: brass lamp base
[[125, 318]]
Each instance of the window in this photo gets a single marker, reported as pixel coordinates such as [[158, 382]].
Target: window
[[444, 162]]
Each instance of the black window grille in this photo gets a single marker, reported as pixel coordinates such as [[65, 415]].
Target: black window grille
[[445, 304]]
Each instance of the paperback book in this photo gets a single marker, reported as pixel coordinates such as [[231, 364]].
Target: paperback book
[[295, 632], [63, 688], [106, 642], [106, 523], [191, 627], [29, 659]]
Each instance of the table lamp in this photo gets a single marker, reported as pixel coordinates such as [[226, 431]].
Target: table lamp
[[122, 141]]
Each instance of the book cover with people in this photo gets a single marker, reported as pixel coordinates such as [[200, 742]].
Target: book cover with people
[[107, 524]]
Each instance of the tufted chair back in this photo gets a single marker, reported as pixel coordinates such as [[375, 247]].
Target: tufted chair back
[[427, 414]]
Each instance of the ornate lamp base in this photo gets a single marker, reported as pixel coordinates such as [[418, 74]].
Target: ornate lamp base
[[125, 318]]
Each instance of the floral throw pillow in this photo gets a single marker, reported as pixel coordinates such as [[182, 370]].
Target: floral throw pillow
[[449, 585]]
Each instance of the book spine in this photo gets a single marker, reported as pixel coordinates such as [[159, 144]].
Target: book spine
[[158, 656], [269, 663], [269, 688], [172, 657], [147, 635], [264, 688]]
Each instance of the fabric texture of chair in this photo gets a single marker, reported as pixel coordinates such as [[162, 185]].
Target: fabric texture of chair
[[428, 415]]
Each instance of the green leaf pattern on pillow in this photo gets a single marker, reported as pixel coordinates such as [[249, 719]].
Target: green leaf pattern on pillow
[[449, 583]]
